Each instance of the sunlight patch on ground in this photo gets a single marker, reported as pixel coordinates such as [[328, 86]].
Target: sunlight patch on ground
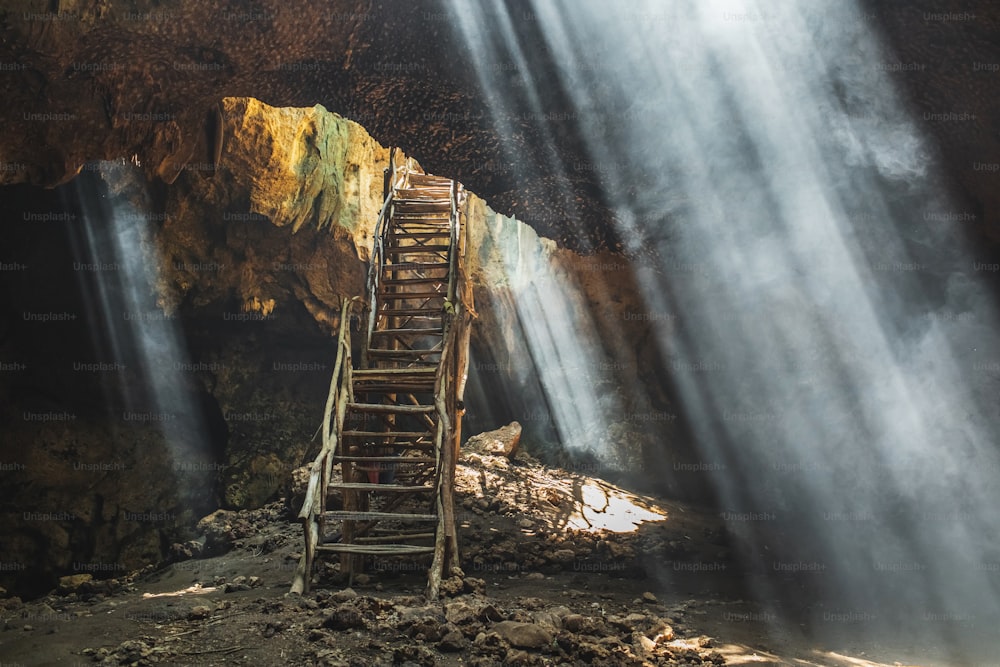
[[567, 501], [744, 655], [197, 589], [737, 654], [603, 507], [840, 659]]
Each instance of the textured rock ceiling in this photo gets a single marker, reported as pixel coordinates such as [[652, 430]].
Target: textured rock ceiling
[[90, 79]]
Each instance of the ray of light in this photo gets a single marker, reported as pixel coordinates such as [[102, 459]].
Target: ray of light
[[828, 341]]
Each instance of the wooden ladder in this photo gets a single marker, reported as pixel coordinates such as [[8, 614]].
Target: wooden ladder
[[394, 423]]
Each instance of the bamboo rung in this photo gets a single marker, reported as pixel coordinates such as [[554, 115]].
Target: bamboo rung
[[394, 538], [416, 249], [414, 266], [411, 313], [391, 434], [401, 354], [397, 296], [391, 409], [376, 549], [427, 446], [409, 332], [438, 202], [343, 515], [386, 459], [392, 488], [366, 373], [383, 389], [391, 282]]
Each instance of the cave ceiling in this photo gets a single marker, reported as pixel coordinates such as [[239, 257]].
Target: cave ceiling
[[101, 79]]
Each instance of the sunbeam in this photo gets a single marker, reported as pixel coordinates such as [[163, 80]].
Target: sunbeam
[[145, 341], [826, 348]]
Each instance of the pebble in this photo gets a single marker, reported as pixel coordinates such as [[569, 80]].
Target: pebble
[[199, 612], [344, 595]]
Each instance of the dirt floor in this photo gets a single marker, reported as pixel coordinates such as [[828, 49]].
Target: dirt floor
[[558, 568]]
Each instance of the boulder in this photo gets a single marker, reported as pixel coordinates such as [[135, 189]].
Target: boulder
[[73, 582], [504, 441]]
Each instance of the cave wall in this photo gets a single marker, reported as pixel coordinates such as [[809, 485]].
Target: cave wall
[[251, 261], [96, 475]]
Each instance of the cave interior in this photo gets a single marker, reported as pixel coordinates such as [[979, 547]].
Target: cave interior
[[737, 258]]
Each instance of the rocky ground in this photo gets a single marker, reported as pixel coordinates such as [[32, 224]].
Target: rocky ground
[[558, 568]]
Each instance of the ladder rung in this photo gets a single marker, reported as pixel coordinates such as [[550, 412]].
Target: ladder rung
[[427, 198], [408, 380], [437, 192], [408, 332], [444, 186], [408, 241], [394, 530], [403, 446], [402, 354], [415, 281], [421, 177], [365, 372], [414, 266], [386, 459], [394, 538], [441, 214], [386, 434], [395, 488], [445, 201], [396, 296], [411, 313], [422, 212], [415, 249], [416, 246], [422, 235], [346, 515], [396, 388], [421, 208], [376, 549], [393, 409], [387, 387]]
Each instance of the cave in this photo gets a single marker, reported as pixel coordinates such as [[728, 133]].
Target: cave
[[720, 279]]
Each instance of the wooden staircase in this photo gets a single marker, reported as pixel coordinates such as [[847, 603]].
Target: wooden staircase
[[394, 424]]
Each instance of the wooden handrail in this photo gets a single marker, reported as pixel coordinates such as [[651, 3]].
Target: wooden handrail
[[444, 455], [378, 255], [320, 471]]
